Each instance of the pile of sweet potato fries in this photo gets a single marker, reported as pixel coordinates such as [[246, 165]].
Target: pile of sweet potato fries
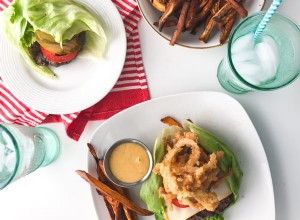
[[116, 198], [188, 15]]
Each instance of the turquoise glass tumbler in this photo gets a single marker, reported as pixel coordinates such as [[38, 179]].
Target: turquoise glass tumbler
[[270, 62], [25, 149]]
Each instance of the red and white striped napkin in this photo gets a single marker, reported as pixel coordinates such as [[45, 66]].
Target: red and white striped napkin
[[130, 89]]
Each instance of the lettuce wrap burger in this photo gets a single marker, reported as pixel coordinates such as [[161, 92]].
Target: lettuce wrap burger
[[195, 176], [52, 32]]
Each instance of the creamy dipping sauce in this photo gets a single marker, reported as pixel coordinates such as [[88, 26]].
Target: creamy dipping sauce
[[129, 162]]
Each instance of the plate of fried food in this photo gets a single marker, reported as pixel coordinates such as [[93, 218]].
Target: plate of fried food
[[208, 162], [196, 23]]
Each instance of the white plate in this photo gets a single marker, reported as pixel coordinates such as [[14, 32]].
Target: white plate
[[81, 83], [186, 39], [218, 113]]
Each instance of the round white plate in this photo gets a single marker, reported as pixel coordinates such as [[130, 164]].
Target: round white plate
[[216, 112], [81, 83], [187, 39]]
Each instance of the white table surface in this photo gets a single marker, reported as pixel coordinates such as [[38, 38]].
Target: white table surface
[[57, 192]]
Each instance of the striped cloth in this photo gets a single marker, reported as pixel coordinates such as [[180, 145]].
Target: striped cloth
[[130, 89]]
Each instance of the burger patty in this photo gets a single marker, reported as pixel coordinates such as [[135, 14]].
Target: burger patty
[[41, 60], [224, 203]]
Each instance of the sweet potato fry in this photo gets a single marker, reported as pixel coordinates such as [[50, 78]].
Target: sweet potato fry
[[209, 17], [110, 207], [168, 23], [159, 5], [170, 121], [202, 3], [223, 11], [112, 193], [111, 184], [205, 35], [191, 12], [216, 7], [101, 174], [128, 213], [181, 22], [114, 207], [170, 9], [239, 8], [227, 28], [214, 10], [201, 16], [224, 20]]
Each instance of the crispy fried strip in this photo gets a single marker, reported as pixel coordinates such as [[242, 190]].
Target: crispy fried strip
[[191, 12], [227, 28], [129, 214], [216, 7], [159, 5], [214, 10], [205, 35], [101, 176], [239, 8], [109, 206], [116, 206], [209, 17], [229, 16], [109, 183], [112, 193], [168, 23], [170, 121], [223, 11], [203, 3], [113, 206], [201, 16], [171, 7], [181, 22]]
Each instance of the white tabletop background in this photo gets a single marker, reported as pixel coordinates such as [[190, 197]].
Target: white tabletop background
[[57, 192]]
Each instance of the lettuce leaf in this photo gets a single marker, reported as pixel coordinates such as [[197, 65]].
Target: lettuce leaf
[[62, 19], [149, 191], [215, 217], [228, 161]]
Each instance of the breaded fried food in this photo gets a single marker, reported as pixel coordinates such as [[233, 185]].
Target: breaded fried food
[[195, 176], [188, 172]]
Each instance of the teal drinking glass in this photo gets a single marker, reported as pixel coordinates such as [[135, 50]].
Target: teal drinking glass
[[271, 62], [25, 149]]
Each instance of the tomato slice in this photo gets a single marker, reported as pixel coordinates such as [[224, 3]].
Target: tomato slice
[[178, 204], [59, 58]]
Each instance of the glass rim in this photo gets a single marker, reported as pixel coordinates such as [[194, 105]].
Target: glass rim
[[231, 65], [17, 154]]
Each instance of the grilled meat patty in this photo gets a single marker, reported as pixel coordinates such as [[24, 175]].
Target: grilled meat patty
[[40, 59], [219, 210]]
